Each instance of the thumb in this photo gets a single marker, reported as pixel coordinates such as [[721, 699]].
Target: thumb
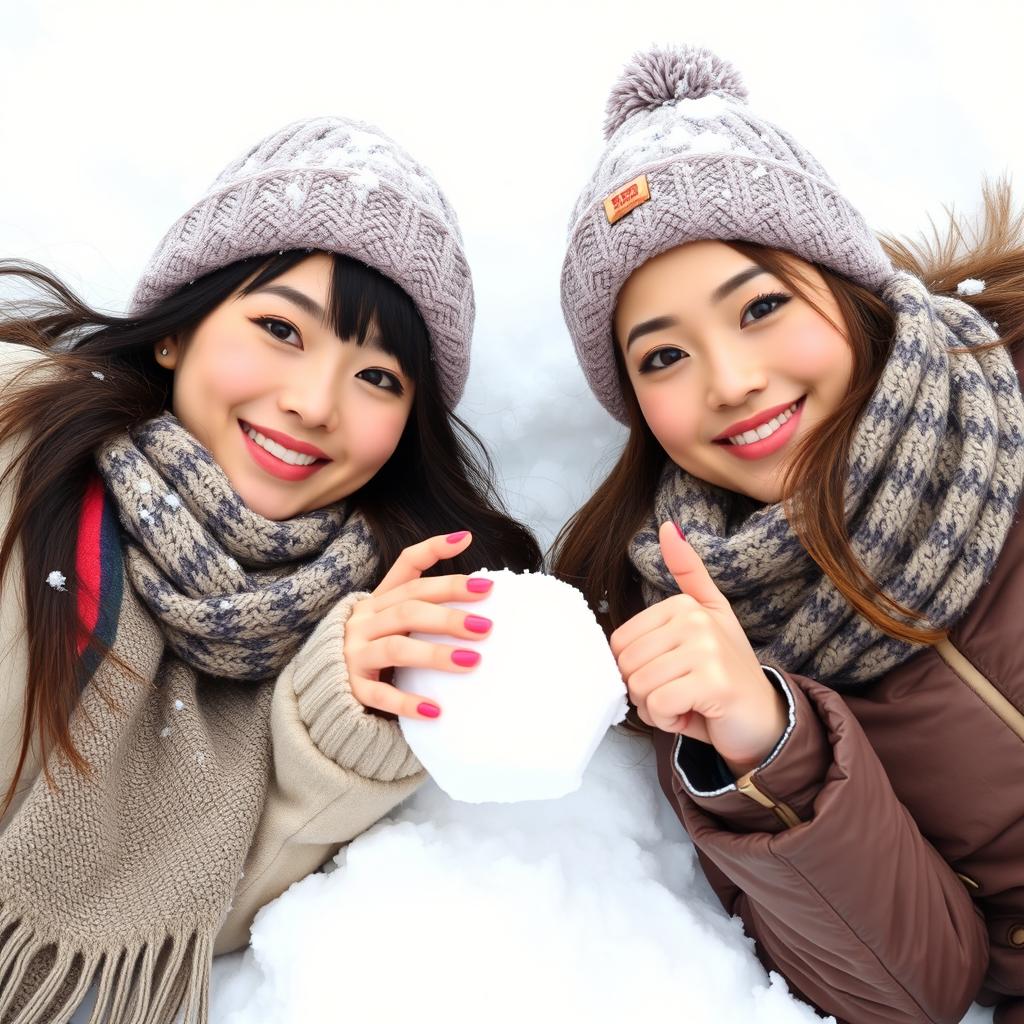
[[687, 569]]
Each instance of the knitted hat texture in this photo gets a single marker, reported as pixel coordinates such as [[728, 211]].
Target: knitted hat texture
[[340, 186], [686, 159]]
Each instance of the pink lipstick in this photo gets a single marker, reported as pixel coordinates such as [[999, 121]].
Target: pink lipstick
[[767, 445], [275, 466]]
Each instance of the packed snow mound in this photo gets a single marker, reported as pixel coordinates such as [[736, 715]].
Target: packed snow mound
[[525, 722], [590, 908]]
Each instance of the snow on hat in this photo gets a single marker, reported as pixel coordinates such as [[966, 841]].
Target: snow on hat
[[340, 186], [686, 159]]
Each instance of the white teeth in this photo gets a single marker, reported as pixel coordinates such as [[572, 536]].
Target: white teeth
[[765, 430], [284, 454]]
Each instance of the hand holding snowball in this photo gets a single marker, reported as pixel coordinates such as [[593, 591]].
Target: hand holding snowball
[[377, 633], [690, 668]]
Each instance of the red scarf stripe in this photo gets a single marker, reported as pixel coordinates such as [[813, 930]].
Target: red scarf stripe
[[88, 562]]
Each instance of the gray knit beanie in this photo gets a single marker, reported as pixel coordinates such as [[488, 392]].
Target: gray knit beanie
[[341, 186], [686, 159]]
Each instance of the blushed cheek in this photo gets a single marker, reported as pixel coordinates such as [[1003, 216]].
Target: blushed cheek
[[375, 437], [816, 352], [670, 418], [216, 374], [234, 371]]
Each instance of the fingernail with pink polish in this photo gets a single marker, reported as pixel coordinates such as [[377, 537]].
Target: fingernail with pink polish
[[680, 529], [428, 710], [479, 585], [477, 624], [454, 538], [465, 659]]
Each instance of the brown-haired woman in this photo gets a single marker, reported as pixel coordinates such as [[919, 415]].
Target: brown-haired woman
[[198, 499], [828, 658]]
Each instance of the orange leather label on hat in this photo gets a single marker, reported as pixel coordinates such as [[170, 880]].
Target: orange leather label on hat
[[629, 197]]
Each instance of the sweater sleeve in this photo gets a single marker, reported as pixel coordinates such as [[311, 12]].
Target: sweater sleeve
[[337, 769], [830, 874]]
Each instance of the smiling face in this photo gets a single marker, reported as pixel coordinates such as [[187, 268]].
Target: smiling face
[[330, 410], [729, 366]]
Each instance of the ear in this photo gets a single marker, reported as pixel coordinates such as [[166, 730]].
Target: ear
[[166, 352]]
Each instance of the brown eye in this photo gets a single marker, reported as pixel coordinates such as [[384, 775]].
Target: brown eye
[[661, 358], [762, 306], [280, 329], [381, 379]]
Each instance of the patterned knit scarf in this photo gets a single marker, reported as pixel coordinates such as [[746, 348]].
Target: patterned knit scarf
[[235, 593], [935, 475]]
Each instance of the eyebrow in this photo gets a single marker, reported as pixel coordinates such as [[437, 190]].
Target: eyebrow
[[659, 323], [304, 302], [734, 282]]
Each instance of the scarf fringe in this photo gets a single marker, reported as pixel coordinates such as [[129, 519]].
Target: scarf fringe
[[148, 984]]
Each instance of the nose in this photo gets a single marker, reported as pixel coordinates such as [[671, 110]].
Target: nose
[[733, 376], [312, 392]]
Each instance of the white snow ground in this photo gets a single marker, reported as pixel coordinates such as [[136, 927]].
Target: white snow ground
[[588, 908]]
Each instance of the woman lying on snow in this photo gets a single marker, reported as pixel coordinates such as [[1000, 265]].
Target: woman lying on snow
[[830, 658], [183, 733]]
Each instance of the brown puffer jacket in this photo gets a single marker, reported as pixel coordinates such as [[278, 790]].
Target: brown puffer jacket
[[878, 856]]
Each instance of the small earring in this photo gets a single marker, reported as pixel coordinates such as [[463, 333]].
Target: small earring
[[163, 351]]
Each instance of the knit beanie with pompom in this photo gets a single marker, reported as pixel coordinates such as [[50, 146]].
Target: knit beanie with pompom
[[686, 159]]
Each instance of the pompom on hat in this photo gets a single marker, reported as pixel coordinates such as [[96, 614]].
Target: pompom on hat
[[340, 186], [686, 159]]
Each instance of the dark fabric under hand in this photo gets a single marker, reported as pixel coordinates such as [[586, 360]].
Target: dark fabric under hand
[[705, 769]]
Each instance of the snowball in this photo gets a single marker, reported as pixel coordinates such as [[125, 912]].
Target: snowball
[[525, 722], [758, 172], [165, 732], [144, 486], [178, 705], [57, 579], [970, 286], [172, 500], [98, 375]]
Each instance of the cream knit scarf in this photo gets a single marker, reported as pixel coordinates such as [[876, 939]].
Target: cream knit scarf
[[934, 478], [124, 878]]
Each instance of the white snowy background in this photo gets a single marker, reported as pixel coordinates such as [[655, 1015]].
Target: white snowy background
[[116, 114]]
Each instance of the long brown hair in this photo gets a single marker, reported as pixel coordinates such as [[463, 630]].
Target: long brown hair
[[591, 549], [100, 378]]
